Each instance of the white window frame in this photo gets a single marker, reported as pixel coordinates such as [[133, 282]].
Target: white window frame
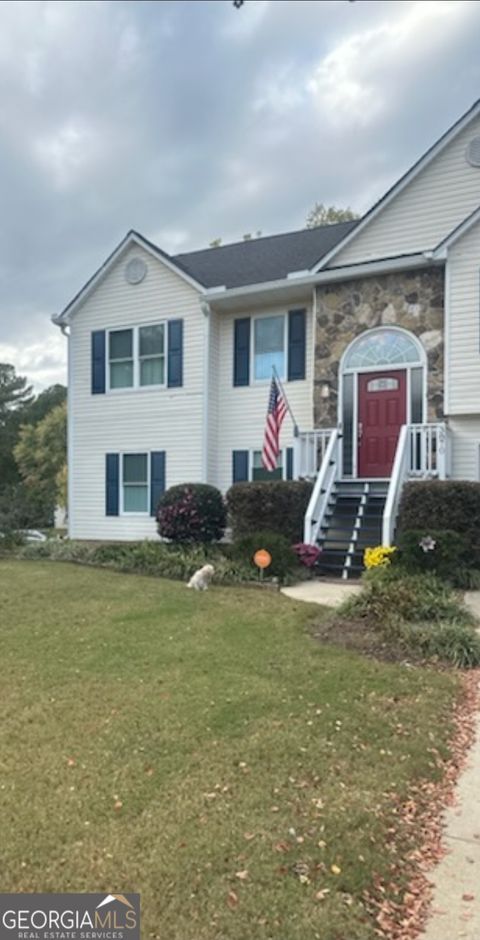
[[256, 450], [122, 510], [265, 316], [136, 387]]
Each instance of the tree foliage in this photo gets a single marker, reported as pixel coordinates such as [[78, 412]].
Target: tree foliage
[[329, 215], [41, 456], [43, 403], [15, 395]]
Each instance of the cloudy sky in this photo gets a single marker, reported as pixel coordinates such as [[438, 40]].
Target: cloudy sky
[[190, 120]]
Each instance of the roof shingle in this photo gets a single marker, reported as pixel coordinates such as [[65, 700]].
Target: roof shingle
[[262, 259]]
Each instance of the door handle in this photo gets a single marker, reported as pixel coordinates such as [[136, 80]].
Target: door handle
[[360, 431]]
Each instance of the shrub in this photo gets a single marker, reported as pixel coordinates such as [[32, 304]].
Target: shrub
[[441, 552], [279, 506], [415, 614], [389, 594], [150, 558], [191, 512], [454, 504], [307, 554], [283, 556], [455, 643]]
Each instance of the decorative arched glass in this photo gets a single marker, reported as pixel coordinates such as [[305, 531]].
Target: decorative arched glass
[[380, 348]]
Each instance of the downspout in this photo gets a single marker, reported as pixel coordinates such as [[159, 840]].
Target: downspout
[[207, 313]]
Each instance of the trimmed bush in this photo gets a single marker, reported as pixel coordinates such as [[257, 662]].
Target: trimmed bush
[[279, 506], [191, 512], [455, 505], [283, 556], [441, 552]]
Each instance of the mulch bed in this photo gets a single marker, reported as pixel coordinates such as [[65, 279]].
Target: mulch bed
[[358, 635], [402, 914]]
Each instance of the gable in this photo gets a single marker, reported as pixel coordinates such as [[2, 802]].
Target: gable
[[422, 213], [113, 270]]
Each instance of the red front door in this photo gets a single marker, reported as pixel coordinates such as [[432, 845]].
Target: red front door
[[382, 409]]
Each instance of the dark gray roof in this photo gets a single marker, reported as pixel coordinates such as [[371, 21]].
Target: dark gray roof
[[261, 259]]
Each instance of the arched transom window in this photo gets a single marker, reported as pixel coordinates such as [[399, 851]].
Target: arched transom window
[[381, 348]]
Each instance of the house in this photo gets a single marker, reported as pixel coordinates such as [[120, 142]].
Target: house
[[373, 325]]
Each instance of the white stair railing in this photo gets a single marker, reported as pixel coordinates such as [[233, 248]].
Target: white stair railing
[[397, 479], [309, 452], [328, 473], [422, 454]]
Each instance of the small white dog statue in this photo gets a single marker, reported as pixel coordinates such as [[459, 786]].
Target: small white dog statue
[[201, 579]]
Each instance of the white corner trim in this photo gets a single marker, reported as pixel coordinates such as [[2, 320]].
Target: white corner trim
[[207, 314], [446, 340], [400, 185], [70, 420], [132, 238]]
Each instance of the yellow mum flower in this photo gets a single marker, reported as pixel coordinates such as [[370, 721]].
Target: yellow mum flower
[[379, 556]]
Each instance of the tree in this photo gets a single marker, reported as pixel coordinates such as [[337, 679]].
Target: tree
[[328, 215], [15, 394], [43, 403], [41, 455]]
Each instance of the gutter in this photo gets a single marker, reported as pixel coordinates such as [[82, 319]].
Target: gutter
[[349, 272]]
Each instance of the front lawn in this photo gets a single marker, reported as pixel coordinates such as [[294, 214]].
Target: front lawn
[[203, 750]]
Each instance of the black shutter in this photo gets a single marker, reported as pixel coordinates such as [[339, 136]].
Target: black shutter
[[240, 466], [175, 353], [157, 479], [296, 344], [289, 468], [112, 484], [241, 352], [98, 362]]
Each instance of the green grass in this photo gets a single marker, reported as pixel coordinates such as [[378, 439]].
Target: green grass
[[221, 726]]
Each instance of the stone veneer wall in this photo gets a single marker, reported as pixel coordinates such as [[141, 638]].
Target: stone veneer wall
[[413, 300]]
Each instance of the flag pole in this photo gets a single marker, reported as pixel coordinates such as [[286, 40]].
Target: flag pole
[[279, 381]]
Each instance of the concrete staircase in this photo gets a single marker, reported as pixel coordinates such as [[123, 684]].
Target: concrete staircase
[[352, 522]]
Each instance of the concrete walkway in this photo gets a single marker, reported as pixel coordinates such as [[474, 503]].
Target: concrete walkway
[[330, 593]]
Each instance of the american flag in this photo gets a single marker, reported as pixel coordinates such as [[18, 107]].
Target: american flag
[[276, 412]]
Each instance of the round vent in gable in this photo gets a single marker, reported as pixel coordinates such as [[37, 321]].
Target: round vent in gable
[[135, 270], [473, 152]]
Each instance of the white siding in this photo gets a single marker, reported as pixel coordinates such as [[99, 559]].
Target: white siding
[[463, 325], [242, 411], [133, 420], [423, 213], [465, 448]]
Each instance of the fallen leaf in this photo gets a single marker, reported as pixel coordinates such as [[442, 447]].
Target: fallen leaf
[[232, 900], [242, 875], [468, 897], [117, 805], [249, 836], [335, 870], [321, 895]]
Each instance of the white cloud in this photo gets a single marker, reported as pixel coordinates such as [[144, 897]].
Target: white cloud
[[354, 80], [43, 363]]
